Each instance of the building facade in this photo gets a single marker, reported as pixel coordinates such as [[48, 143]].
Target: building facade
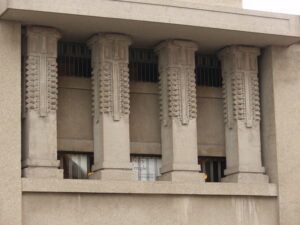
[[148, 112]]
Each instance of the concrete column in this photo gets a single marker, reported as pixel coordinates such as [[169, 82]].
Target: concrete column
[[110, 84], [242, 115], [40, 124], [10, 124], [178, 111]]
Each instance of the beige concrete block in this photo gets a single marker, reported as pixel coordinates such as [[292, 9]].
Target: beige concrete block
[[182, 176], [74, 112], [42, 172], [246, 178], [144, 113], [124, 209], [114, 174], [148, 188], [210, 122]]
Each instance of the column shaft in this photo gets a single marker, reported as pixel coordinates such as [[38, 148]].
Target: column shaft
[[178, 111], [40, 105], [242, 115], [110, 83]]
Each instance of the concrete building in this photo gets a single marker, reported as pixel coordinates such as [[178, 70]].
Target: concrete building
[[139, 112]]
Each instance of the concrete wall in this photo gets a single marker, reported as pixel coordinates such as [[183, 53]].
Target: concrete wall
[[74, 116], [210, 122], [75, 121], [123, 209], [10, 123], [281, 82], [144, 118]]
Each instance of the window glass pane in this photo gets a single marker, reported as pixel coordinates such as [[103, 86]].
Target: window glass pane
[[146, 167], [76, 166]]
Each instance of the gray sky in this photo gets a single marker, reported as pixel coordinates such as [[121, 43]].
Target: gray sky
[[283, 6]]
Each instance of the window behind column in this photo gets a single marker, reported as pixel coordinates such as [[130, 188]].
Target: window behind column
[[76, 165], [74, 63], [208, 71], [210, 124], [213, 167], [74, 59], [143, 65]]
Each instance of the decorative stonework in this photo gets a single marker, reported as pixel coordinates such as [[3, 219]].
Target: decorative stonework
[[178, 111], [110, 76], [177, 81], [32, 97], [39, 157], [242, 115], [41, 70], [240, 86], [110, 86]]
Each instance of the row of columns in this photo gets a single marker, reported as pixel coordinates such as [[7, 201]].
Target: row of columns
[[178, 106]]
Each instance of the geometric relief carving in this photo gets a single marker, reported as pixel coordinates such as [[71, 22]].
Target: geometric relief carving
[[41, 70], [110, 75], [241, 87], [177, 81], [32, 96], [51, 84]]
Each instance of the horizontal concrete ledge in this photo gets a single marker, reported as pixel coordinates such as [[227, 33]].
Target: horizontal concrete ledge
[[163, 11], [151, 188], [151, 21]]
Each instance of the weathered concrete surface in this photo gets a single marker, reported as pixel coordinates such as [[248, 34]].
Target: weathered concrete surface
[[242, 115], [10, 123], [40, 103], [280, 83], [111, 106], [178, 111], [123, 209]]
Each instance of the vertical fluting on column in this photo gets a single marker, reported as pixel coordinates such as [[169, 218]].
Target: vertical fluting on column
[[242, 115], [40, 105], [178, 111], [110, 86]]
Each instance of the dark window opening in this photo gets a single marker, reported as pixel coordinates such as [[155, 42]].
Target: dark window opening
[[208, 71], [213, 167], [143, 65], [74, 59]]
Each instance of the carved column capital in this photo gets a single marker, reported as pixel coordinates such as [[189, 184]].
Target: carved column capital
[[110, 76], [239, 58], [41, 40], [240, 85], [177, 80], [41, 70]]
